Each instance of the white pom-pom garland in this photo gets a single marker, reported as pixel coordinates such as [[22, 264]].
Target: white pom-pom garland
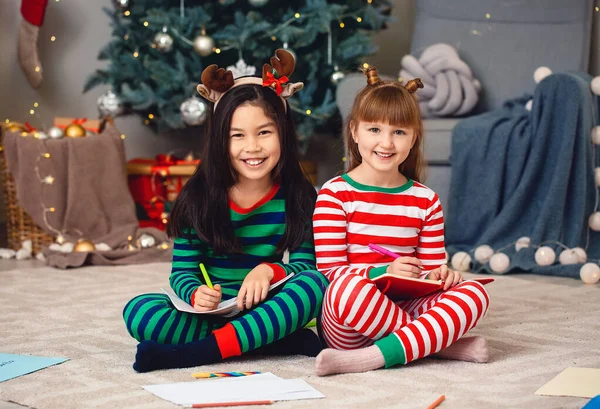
[[590, 273], [540, 73], [483, 253], [461, 261], [595, 85], [522, 243], [545, 256], [499, 263], [594, 221], [596, 135], [529, 105]]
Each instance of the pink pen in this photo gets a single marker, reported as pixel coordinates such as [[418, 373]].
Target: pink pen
[[386, 252]]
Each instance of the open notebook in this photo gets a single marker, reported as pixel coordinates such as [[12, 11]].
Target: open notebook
[[406, 288], [226, 308]]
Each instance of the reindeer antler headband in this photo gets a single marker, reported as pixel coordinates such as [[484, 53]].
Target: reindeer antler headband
[[216, 81]]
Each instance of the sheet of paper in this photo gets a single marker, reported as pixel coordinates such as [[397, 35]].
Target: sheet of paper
[[223, 308], [12, 366], [260, 376], [234, 390], [581, 382]]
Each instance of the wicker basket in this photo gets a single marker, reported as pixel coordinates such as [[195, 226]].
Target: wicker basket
[[19, 226]]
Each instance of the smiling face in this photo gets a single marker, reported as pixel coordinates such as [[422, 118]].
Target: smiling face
[[254, 146], [382, 147]]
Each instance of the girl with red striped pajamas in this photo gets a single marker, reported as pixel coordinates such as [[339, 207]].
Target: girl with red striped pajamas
[[381, 201]]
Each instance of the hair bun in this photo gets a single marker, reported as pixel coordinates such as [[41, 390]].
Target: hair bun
[[372, 76], [413, 85]]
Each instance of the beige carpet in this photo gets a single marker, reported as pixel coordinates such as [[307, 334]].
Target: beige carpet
[[536, 327]]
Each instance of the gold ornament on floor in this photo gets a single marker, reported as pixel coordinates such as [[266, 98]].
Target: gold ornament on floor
[[15, 127], [75, 131], [83, 246]]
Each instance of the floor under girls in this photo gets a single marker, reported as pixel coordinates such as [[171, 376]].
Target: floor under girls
[[536, 327]]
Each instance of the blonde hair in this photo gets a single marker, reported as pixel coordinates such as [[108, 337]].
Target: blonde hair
[[393, 103]]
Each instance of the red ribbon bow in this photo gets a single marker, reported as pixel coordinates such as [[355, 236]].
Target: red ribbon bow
[[29, 127], [79, 121], [270, 80]]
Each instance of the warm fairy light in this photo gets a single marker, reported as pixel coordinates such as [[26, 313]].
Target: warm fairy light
[[488, 15], [597, 8], [366, 65], [48, 180], [24, 133], [146, 122], [135, 54], [273, 38], [218, 50], [146, 24], [164, 246], [129, 238], [359, 19], [475, 32], [308, 112], [150, 116], [53, 38], [52, 209], [122, 136], [46, 155], [35, 105], [37, 69], [31, 111], [127, 13], [297, 15], [342, 25], [165, 221], [369, 1], [399, 79], [343, 157], [126, 37], [7, 120]]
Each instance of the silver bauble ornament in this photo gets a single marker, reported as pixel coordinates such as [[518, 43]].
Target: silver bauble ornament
[[55, 132], [203, 45], [193, 111], [121, 4], [258, 3], [337, 76], [163, 42], [109, 104], [146, 241]]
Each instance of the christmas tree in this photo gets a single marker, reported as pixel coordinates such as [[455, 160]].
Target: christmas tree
[[160, 47]]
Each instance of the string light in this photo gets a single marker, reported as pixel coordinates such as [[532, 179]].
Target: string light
[[308, 112], [366, 65], [597, 8], [53, 38], [488, 15], [126, 37], [7, 120], [35, 104], [49, 180], [218, 50], [297, 15], [146, 122], [399, 79], [369, 1], [359, 19], [31, 112], [146, 24], [136, 54], [127, 13], [47, 155], [122, 136], [150, 116], [37, 69], [273, 38], [342, 25], [476, 32]]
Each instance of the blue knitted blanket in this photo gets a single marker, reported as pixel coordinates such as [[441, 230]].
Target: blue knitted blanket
[[518, 173]]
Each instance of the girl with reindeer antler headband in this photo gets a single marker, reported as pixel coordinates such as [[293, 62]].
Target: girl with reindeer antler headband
[[247, 203], [381, 202]]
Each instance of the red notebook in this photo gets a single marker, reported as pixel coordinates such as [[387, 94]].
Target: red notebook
[[405, 288]]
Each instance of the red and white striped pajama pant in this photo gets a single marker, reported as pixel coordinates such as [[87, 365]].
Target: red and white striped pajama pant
[[356, 314]]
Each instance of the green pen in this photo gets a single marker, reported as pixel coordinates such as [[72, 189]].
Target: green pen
[[206, 278]]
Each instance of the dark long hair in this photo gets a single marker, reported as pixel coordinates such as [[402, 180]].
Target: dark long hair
[[203, 202]]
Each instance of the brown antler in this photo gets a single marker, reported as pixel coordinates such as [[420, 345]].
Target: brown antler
[[283, 62], [217, 79], [413, 85]]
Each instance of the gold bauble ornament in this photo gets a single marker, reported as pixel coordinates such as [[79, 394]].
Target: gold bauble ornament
[[203, 45], [83, 246], [75, 131], [15, 127]]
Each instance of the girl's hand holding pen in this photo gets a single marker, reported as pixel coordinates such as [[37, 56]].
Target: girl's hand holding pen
[[405, 267], [206, 298]]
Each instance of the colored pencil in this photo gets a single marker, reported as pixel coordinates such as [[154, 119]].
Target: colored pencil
[[221, 404], [201, 375], [206, 277], [386, 252], [437, 402]]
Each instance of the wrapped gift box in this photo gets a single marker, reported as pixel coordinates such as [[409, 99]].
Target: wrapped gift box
[[155, 183]]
